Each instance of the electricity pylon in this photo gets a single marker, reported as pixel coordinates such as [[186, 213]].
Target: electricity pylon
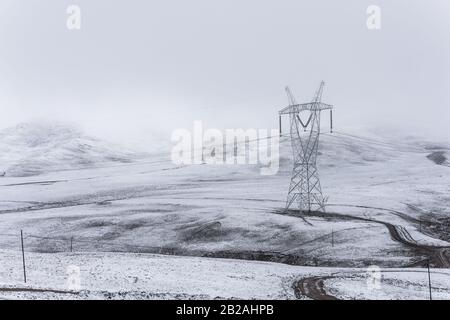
[[305, 191]]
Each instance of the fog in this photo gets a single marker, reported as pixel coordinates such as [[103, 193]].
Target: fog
[[144, 68]]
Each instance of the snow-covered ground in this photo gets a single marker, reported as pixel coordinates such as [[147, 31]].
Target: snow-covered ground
[[30, 148], [149, 276], [388, 205]]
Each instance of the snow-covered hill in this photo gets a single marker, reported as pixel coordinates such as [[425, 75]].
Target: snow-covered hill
[[388, 206], [29, 149]]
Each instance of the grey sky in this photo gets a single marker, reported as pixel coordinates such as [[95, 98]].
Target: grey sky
[[142, 66]]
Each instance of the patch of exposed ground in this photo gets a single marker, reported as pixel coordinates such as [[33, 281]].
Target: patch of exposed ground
[[438, 157]]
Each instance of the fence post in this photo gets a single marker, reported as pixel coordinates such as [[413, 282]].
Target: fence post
[[23, 257]]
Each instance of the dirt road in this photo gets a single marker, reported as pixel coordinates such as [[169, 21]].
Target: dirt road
[[312, 288], [438, 256]]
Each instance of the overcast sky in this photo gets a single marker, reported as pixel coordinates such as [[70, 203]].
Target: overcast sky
[[137, 67]]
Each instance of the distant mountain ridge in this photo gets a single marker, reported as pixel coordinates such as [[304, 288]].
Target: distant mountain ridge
[[30, 149]]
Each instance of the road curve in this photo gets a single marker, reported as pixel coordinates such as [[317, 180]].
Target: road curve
[[443, 256], [439, 256], [312, 288]]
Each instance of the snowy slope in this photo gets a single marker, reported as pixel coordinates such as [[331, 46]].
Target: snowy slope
[[30, 149], [388, 206]]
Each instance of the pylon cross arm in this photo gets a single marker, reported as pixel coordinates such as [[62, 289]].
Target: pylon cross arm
[[312, 106]]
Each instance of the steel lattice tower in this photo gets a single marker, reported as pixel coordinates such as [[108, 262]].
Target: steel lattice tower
[[305, 192]]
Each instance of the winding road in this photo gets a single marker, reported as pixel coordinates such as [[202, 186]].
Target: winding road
[[438, 256]]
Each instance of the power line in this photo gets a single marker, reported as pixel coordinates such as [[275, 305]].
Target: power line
[[193, 150], [379, 142]]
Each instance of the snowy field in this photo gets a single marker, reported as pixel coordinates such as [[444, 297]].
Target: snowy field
[[388, 206], [148, 276]]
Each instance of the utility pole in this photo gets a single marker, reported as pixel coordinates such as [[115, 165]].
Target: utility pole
[[305, 191], [23, 258], [429, 278], [332, 237], [331, 120], [279, 125]]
